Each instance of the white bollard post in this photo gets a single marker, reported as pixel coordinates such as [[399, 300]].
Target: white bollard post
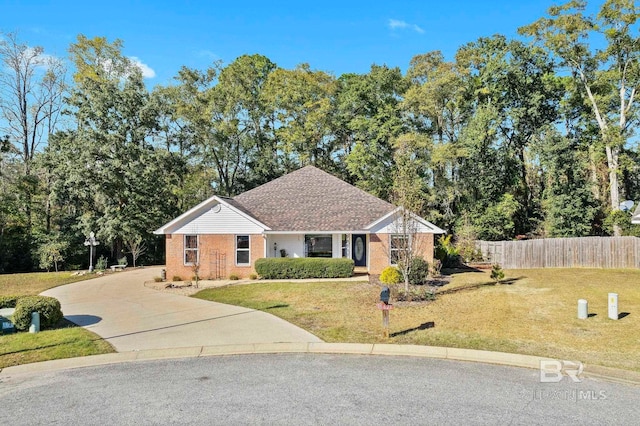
[[613, 306], [35, 322], [583, 309]]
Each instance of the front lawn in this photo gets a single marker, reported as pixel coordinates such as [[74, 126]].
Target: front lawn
[[66, 341], [535, 314], [36, 282]]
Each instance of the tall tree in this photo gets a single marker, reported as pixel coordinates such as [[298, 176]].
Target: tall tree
[[609, 77], [117, 183], [518, 83], [436, 104], [220, 110], [368, 119], [240, 96], [302, 100], [407, 193], [31, 89], [32, 85], [569, 204]]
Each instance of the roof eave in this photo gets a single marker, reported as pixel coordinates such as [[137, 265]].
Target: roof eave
[[434, 228], [166, 229], [305, 232]]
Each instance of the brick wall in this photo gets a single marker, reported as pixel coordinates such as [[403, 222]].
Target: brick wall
[[225, 244], [379, 250], [224, 264]]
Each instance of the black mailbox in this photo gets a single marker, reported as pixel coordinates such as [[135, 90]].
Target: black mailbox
[[385, 294]]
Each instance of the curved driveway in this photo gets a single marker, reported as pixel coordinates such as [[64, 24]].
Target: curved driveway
[[120, 309]]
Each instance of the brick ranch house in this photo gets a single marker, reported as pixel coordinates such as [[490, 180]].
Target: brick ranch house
[[306, 213]]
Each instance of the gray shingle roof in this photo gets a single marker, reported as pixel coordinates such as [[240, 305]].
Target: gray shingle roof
[[310, 199]]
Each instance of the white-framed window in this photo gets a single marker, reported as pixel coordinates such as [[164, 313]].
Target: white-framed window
[[318, 245], [191, 252], [243, 256], [397, 244]]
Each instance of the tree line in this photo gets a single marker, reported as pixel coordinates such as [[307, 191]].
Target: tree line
[[513, 138]]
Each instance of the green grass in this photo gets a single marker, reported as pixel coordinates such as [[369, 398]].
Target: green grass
[[534, 314], [66, 341]]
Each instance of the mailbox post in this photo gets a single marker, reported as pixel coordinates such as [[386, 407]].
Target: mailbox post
[[385, 307]]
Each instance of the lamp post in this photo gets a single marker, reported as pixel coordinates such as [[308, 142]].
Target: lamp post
[[91, 242]]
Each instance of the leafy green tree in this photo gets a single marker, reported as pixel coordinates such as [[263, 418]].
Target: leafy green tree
[[240, 94], [436, 106], [51, 254], [497, 222], [517, 84], [226, 123], [368, 120], [568, 200], [15, 244], [106, 167], [32, 85], [609, 77], [302, 101]]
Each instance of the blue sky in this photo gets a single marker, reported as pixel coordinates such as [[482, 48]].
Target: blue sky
[[334, 36]]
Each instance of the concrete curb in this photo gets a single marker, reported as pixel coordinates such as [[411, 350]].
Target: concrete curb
[[455, 354]]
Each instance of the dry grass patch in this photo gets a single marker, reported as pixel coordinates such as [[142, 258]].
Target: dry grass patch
[[36, 282], [535, 314]]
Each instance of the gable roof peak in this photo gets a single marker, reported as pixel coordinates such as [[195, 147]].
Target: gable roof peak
[[311, 199]]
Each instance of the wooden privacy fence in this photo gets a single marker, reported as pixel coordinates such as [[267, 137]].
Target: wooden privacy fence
[[586, 252]]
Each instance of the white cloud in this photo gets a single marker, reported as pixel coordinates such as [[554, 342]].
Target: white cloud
[[396, 24], [41, 58], [147, 71], [208, 54], [35, 56]]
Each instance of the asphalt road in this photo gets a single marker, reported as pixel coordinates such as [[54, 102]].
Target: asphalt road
[[310, 389]]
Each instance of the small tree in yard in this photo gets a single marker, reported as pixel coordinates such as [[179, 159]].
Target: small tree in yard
[[408, 196], [497, 274], [136, 247], [51, 253], [195, 268]]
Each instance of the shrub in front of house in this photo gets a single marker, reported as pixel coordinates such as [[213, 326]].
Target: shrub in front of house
[[8, 301], [390, 275], [299, 268], [48, 307], [415, 294], [419, 272]]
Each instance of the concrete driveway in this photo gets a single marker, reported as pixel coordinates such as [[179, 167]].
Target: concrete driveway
[[120, 309]]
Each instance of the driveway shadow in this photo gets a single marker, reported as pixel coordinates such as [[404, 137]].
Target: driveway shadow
[[83, 320]]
